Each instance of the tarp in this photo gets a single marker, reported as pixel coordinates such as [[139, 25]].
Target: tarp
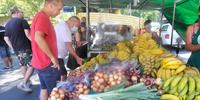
[[186, 13], [186, 10]]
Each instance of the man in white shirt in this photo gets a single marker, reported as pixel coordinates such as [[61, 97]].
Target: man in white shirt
[[64, 30]]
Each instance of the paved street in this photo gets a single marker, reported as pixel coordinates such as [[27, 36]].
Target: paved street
[[9, 80]]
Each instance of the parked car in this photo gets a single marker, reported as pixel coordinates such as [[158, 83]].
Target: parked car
[[166, 32]]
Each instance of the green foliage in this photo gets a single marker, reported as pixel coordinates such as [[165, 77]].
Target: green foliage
[[29, 7]]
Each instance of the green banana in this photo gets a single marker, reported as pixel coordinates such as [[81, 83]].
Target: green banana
[[184, 91], [182, 83], [173, 91], [175, 81], [191, 85], [197, 80], [167, 82]]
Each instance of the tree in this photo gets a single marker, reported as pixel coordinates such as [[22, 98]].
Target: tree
[[29, 7]]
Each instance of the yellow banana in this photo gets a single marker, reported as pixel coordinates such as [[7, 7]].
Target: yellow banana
[[194, 68], [165, 60], [197, 97], [167, 74], [191, 82], [175, 81], [171, 66], [159, 73], [173, 63], [180, 69], [173, 72], [169, 97], [182, 83], [163, 75]]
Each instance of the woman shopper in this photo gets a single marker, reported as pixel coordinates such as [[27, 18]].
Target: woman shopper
[[193, 43]]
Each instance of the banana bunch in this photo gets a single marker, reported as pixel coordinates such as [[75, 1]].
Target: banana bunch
[[89, 64], [143, 43], [121, 52], [170, 66], [150, 63], [191, 70], [169, 97], [184, 87]]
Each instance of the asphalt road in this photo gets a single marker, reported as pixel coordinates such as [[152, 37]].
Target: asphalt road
[[9, 80]]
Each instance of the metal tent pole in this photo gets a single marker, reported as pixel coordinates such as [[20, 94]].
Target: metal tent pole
[[174, 12], [87, 26], [163, 5]]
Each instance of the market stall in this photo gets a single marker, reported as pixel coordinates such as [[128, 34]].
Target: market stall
[[136, 69]]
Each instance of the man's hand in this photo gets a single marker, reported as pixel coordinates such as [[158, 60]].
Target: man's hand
[[79, 60], [55, 63]]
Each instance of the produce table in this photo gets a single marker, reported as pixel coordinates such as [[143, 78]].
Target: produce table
[[138, 69]]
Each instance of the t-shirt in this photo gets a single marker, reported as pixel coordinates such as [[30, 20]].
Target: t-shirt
[[15, 31], [2, 42], [63, 35], [42, 23]]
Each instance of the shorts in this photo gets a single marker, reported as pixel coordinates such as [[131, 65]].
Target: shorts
[[4, 52], [24, 57], [48, 78], [63, 71]]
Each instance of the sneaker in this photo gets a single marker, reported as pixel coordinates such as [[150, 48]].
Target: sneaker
[[22, 86], [29, 83]]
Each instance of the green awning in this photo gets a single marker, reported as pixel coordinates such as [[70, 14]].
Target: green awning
[[186, 13]]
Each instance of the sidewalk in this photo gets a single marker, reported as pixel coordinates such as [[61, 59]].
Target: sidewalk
[[9, 81]]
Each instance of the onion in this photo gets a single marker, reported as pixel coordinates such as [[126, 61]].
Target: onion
[[62, 96], [105, 76], [85, 87], [101, 87], [59, 99], [101, 80], [110, 76], [111, 79], [101, 74], [115, 76], [113, 83], [55, 89], [61, 91], [53, 93], [80, 90], [80, 85], [134, 78], [94, 89], [53, 98], [118, 82], [158, 81], [96, 78], [86, 91], [57, 95]]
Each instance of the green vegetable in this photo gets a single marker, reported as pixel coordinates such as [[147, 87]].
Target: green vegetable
[[135, 92]]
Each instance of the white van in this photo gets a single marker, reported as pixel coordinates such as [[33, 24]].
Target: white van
[[166, 32]]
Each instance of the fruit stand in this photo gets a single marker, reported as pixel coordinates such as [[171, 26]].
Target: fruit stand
[[136, 69]]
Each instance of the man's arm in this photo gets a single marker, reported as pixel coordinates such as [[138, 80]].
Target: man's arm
[[39, 38], [6, 38], [27, 33], [73, 53]]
